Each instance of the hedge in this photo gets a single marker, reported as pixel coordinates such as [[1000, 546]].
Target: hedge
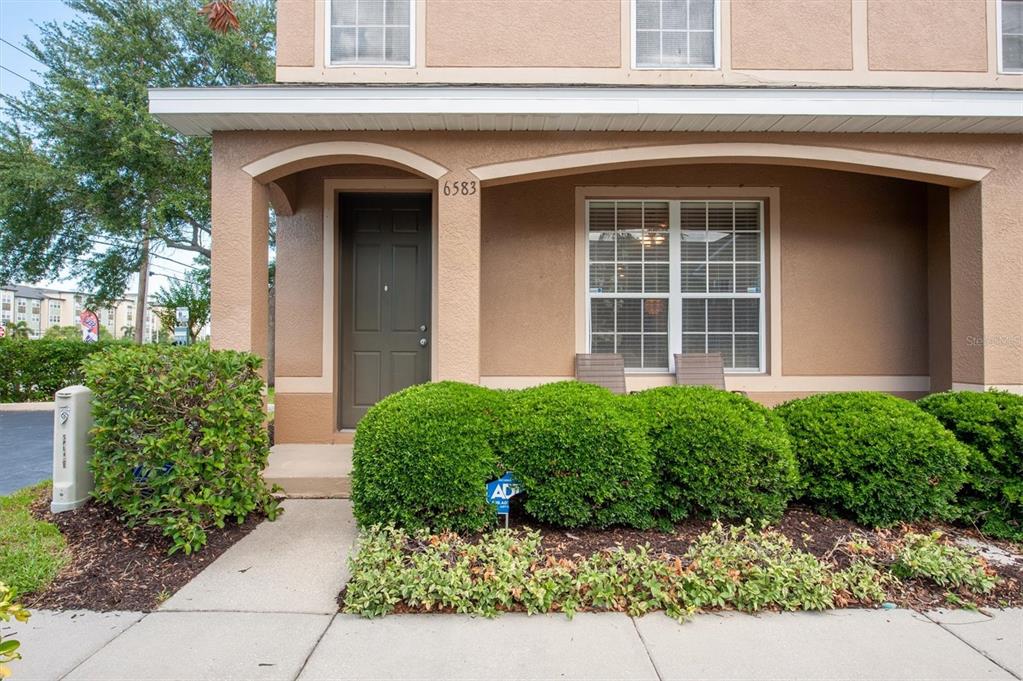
[[33, 370], [718, 454], [582, 459], [991, 425], [178, 439], [423, 456], [876, 458]]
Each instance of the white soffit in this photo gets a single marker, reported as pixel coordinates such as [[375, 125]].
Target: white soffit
[[200, 111]]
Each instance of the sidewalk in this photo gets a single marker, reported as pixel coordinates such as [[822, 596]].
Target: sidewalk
[[266, 610]]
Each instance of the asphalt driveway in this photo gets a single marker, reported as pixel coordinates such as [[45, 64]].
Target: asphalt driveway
[[26, 449]]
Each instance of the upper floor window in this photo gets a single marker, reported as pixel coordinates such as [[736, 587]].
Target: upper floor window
[[675, 34], [371, 32], [1011, 35]]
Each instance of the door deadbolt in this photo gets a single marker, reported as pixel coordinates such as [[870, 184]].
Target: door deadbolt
[[422, 327]]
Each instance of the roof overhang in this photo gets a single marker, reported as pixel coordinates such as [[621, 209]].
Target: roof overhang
[[201, 111]]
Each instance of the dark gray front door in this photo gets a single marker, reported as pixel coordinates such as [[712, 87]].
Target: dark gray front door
[[385, 298]]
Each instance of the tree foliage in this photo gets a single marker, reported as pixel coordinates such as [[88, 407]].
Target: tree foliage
[[193, 293], [85, 171]]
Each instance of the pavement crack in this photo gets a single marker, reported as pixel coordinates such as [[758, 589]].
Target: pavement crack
[[990, 659], [646, 649], [315, 646]]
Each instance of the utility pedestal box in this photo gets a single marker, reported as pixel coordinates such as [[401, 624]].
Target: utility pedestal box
[[72, 420]]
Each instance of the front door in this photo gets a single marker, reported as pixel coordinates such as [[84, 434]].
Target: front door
[[385, 298]]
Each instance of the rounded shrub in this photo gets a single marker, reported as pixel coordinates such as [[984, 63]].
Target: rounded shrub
[[423, 456], [178, 438], [717, 454], [873, 457], [581, 456], [991, 425]]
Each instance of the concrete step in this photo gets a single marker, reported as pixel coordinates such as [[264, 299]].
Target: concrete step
[[343, 437], [318, 471]]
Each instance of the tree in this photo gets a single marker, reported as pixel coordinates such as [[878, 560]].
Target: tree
[[193, 293], [73, 333], [18, 330], [88, 179]]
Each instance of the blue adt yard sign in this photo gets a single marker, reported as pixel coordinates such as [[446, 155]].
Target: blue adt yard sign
[[500, 492]]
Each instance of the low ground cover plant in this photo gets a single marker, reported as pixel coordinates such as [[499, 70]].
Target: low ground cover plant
[[741, 567], [717, 454], [581, 457], [873, 457], [423, 456], [178, 439], [991, 425], [33, 370], [32, 551], [926, 556], [9, 610]]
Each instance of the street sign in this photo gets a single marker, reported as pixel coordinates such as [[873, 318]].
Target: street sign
[[181, 328], [500, 492]]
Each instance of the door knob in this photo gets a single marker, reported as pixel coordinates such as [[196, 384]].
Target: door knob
[[422, 342]]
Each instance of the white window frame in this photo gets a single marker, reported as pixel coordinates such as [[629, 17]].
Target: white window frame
[[365, 65], [998, 41], [675, 296], [717, 44]]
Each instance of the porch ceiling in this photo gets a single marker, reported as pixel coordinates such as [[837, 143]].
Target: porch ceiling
[[200, 111]]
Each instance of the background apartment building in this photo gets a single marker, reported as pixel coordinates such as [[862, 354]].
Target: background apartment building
[[42, 308]]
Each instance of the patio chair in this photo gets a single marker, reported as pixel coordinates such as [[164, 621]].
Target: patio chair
[[701, 369], [604, 369]]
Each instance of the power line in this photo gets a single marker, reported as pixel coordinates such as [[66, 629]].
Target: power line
[[151, 255], [29, 80], [27, 54]]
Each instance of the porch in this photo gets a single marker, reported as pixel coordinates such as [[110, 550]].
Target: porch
[[852, 263]]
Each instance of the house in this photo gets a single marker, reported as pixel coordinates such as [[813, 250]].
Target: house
[[829, 192]]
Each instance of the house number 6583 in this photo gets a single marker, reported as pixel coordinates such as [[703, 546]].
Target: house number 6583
[[459, 188]]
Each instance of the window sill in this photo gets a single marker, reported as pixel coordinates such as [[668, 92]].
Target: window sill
[[334, 65]]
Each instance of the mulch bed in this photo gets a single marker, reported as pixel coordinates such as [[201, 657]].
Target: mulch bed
[[115, 567], [821, 536], [824, 537]]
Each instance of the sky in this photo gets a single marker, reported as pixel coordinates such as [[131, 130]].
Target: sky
[[19, 18]]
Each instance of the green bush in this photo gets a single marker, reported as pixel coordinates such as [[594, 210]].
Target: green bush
[[423, 456], [874, 457], [991, 425], [178, 439], [581, 456], [717, 454], [33, 370]]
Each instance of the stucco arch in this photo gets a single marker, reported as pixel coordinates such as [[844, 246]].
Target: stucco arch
[[304, 156], [834, 158]]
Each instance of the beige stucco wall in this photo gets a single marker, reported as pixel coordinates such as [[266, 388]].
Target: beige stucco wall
[[792, 34], [296, 40], [841, 43], [924, 35], [497, 33], [853, 253]]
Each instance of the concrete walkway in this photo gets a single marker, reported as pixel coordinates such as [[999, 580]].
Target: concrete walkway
[[266, 610]]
